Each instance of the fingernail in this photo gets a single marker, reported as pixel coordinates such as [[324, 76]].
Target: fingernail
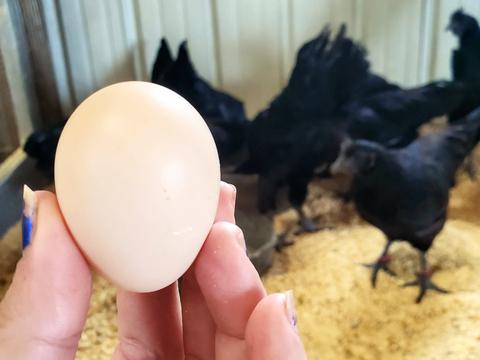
[[290, 308], [29, 215], [234, 195]]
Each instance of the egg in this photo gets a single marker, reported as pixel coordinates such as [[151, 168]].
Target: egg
[[137, 178]]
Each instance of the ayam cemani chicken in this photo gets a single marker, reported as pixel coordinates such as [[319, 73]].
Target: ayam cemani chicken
[[299, 134], [465, 61], [405, 192], [224, 114]]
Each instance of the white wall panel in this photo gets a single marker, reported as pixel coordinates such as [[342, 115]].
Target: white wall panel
[[99, 41], [121, 68], [251, 49], [77, 45], [307, 18], [428, 34], [115, 40], [200, 31], [177, 20], [392, 33], [149, 31], [133, 44], [246, 47], [172, 15], [59, 61]]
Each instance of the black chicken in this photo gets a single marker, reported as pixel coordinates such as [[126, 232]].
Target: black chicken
[[465, 63], [41, 146], [300, 133], [466, 59], [405, 192], [224, 114]]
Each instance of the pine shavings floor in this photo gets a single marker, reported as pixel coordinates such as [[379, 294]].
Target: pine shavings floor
[[340, 316]]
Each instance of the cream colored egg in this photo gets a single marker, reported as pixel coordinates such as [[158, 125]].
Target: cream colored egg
[[137, 177]]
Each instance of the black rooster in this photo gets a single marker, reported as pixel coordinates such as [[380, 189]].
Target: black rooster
[[300, 133], [405, 192], [224, 114]]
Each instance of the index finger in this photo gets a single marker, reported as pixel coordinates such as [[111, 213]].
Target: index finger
[[227, 279], [226, 203], [198, 325]]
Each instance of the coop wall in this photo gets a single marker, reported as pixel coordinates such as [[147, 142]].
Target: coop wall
[[244, 46]]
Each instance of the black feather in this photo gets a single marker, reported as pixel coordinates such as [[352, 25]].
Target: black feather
[[392, 118], [162, 63]]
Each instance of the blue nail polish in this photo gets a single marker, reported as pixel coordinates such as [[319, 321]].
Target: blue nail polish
[[27, 227], [28, 216]]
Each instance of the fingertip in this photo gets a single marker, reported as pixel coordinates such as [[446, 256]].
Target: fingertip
[[226, 203], [46, 199], [273, 315]]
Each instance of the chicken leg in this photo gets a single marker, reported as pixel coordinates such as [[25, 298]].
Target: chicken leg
[[424, 280], [297, 193], [381, 264]]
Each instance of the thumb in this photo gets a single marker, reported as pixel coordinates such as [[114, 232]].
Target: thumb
[[271, 330], [45, 308]]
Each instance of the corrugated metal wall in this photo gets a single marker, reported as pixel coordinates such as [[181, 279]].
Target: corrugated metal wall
[[18, 113], [244, 46]]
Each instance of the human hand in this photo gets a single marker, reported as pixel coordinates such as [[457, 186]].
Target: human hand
[[222, 311]]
